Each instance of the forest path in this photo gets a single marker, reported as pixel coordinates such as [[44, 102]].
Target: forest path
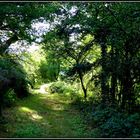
[[44, 116]]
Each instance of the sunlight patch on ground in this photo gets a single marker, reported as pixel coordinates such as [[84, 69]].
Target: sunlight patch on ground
[[44, 115], [25, 109], [58, 107], [33, 115]]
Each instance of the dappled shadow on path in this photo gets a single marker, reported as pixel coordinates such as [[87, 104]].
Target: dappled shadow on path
[[45, 116]]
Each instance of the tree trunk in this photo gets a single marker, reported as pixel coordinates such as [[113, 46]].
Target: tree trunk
[[120, 93], [113, 87], [113, 68], [104, 87], [128, 92], [82, 84], [1, 103]]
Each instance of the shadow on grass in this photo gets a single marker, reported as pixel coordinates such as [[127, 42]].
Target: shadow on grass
[[43, 116]]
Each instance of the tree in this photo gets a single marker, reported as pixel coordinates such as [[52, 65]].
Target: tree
[[106, 22], [15, 25]]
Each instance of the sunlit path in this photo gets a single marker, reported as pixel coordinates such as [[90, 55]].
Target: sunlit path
[[43, 89], [45, 115]]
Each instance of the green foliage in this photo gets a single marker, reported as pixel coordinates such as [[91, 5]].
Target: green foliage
[[9, 98], [109, 122], [83, 67], [28, 130], [57, 87], [93, 45], [44, 116], [61, 87], [119, 125], [16, 77], [102, 25], [49, 70]]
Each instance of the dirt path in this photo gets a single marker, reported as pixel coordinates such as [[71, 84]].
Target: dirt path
[[44, 115]]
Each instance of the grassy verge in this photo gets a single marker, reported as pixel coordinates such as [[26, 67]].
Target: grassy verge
[[43, 115]]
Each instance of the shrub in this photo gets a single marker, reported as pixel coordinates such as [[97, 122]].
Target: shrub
[[120, 125], [61, 87], [57, 87], [13, 82], [49, 70], [14, 73], [110, 122], [9, 98]]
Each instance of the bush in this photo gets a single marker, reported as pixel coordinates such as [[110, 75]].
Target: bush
[[57, 87], [13, 82], [64, 89], [61, 88], [120, 125], [9, 98], [49, 70], [110, 122]]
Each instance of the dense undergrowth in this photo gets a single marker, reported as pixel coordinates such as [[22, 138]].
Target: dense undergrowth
[[109, 122], [105, 121]]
